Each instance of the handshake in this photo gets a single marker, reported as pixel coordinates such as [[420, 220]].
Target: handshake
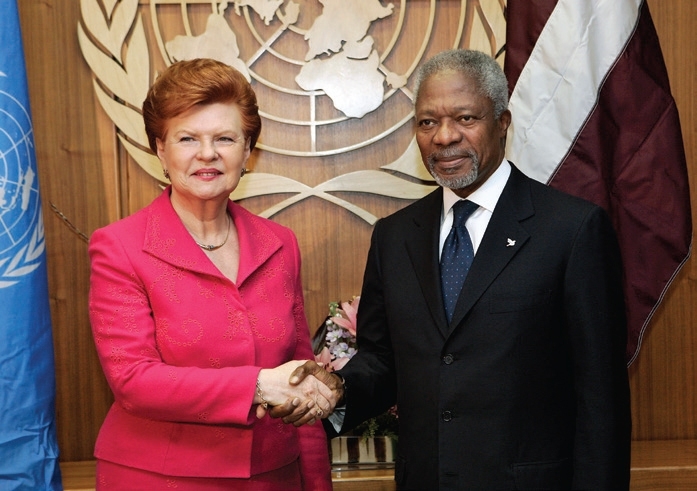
[[298, 391]]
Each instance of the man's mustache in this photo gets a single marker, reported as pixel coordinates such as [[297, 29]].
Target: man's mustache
[[449, 153]]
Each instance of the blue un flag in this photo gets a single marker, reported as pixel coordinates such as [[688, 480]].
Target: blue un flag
[[28, 447]]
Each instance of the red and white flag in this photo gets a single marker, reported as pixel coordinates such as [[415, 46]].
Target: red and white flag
[[593, 115]]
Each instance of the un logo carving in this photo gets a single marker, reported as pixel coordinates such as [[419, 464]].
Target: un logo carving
[[332, 77]]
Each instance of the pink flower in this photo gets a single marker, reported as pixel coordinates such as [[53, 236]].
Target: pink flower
[[339, 363], [350, 310], [324, 358]]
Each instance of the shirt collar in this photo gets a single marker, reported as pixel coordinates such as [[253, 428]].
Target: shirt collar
[[487, 195]]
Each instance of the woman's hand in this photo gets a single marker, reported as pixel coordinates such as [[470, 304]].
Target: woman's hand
[[292, 411], [308, 395]]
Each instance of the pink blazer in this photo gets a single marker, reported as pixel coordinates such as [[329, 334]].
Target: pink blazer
[[181, 347]]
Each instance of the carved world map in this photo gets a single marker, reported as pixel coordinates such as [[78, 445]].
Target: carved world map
[[349, 74], [332, 77]]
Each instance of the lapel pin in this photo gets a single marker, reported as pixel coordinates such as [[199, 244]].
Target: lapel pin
[[510, 243]]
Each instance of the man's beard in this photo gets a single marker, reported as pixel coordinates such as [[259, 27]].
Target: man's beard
[[455, 182]]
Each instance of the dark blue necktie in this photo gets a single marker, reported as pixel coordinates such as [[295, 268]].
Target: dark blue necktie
[[457, 256]]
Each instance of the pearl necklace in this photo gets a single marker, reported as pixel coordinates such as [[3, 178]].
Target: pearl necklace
[[212, 247]]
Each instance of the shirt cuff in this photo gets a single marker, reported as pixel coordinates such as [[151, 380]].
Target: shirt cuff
[[337, 418]]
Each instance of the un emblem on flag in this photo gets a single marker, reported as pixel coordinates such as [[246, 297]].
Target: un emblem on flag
[[21, 225]]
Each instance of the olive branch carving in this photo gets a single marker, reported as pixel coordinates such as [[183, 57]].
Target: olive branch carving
[[114, 44]]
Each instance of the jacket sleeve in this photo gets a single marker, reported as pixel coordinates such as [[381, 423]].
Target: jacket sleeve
[[595, 312], [124, 331], [370, 375]]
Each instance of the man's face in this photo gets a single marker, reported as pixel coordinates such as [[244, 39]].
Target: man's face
[[461, 143]]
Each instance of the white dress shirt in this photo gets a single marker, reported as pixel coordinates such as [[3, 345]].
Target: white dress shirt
[[486, 196]]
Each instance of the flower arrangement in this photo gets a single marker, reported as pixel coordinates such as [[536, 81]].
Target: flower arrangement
[[335, 341], [334, 344]]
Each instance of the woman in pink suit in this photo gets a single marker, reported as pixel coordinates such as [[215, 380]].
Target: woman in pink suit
[[197, 311]]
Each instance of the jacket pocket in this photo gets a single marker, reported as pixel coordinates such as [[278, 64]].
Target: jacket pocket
[[553, 474]]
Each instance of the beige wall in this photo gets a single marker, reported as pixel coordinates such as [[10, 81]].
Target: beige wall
[[89, 178]]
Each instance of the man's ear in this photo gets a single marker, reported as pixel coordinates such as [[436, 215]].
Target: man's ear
[[504, 122]]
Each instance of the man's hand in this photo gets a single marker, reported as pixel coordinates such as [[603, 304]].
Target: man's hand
[[307, 397], [299, 413]]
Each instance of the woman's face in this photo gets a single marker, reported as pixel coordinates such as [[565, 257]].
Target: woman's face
[[204, 150]]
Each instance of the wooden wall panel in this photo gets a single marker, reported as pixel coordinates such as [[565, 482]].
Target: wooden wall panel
[[664, 400], [90, 179]]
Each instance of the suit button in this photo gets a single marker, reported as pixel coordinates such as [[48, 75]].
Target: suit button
[[447, 416], [448, 359]]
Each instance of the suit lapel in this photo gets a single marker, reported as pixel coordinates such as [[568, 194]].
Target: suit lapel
[[504, 237], [258, 242], [167, 239], [422, 247]]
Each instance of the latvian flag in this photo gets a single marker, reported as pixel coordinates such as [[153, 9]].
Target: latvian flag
[[593, 116]]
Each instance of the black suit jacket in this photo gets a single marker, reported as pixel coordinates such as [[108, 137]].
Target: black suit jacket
[[527, 387]]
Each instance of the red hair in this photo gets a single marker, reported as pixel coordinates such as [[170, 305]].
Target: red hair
[[186, 84]]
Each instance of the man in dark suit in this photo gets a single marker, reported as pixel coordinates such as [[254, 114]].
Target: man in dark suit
[[524, 384]]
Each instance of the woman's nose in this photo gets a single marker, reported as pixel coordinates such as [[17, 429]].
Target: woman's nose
[[207, 151]]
